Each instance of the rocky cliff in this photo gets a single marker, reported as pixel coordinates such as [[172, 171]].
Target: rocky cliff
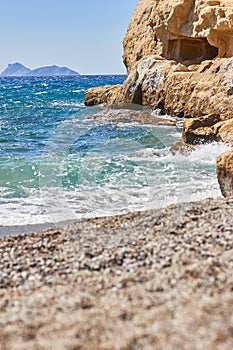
[[179, 58], [183, 30]]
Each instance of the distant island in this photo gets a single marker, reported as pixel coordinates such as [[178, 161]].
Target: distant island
[[19, 70]]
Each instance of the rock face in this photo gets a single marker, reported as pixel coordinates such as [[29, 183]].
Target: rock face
[[179, 58], [225, 173], [183, 30], [102, 94]]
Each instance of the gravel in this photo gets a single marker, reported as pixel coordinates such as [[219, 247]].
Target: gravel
[[151, 280]]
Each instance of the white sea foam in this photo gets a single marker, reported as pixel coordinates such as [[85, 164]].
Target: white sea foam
[[89, 168], [67, 104], [142, 179], [79, 90], [41, 93], [17, 87]]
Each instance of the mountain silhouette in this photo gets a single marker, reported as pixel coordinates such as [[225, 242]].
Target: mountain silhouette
[[19, 70]]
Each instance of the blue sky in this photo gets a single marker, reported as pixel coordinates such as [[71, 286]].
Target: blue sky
[[85, 35]]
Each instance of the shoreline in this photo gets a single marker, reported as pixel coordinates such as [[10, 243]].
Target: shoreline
[[14, 230], [155, 279]]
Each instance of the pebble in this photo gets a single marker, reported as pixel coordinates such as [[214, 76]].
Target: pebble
[[108, 283]]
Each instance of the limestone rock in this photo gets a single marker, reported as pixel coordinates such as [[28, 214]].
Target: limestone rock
[[208, 128], [183, 30], [176, 89], [179, 58], [140, 40], [178, 55], [102, 94], [143, 83], [202, 90], [224, 130], [224, 171], [199, 129], [181, 148]]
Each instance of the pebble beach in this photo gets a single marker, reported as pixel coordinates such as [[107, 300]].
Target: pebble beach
[[145, 280]]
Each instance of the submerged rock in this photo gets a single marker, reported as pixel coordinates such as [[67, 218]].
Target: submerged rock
[[181, 148], [124, 115]]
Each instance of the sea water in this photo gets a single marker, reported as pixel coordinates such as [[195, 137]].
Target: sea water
[[56, 165]]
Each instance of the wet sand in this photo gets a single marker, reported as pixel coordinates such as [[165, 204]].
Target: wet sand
[[151, 280]]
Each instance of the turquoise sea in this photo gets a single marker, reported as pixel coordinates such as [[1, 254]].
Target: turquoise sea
[[55, 165]]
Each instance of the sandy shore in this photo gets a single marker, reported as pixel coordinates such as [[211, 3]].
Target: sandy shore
[[152, 280]]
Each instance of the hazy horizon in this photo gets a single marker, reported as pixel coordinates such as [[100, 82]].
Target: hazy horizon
[[50, 66], [83, 36]]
